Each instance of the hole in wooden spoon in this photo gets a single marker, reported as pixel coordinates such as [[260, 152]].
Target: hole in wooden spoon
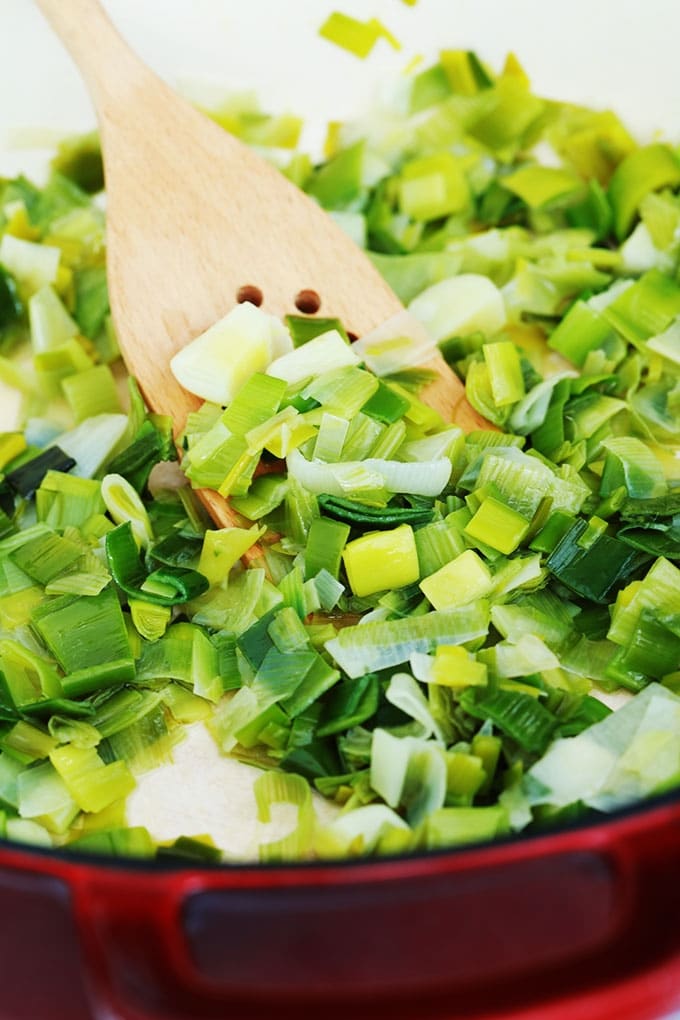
[[308, 301], [352, 336], [248, 292]]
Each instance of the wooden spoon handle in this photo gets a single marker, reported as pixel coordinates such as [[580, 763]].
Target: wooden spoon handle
[[112, 72]]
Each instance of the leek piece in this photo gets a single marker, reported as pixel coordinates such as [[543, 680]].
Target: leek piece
[[363, 515], [11, 306], [350, 703], [396, 344], [453, 826], [92, 392], [26, 678], [44, 797], [64, 500], [349, 477], [11, 445], [264, 495], [540, 186], [591, 563], [381, 560], [27, 742], [217, 363], [497, 525], [330, 437], [223, 549], [405, 694], [88, 638], [464, 777], [276, 788], [518, 715], [657, 592], [630, 463], [340, 180], [325, 353], [92, 784], [505, 372], [125, 506], [149, 446], [373, 646], [455, 667], [646, 169], [357, 37], [386, 405], [46, 556], [646, 308], [166, 586], [410, 274], [359, 831], [410, 772], [342, 391], [462, 305], [91, 443], [463, 580], [50, 324], [33, 266], [302, 328], [254, 404], [151, 621], [24, 480], [433, 186], [582, 330], [325, 543]]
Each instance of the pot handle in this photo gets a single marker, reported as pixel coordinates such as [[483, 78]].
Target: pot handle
[[582, 923]]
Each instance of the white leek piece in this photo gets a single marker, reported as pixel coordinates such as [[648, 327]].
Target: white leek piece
[[322, 354], [33, 265], [218, 362], [459, 306]]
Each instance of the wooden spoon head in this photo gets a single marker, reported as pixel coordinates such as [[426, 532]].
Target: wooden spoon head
[[194, 217]]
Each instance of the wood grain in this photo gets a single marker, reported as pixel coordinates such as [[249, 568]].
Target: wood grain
[[193, 215]]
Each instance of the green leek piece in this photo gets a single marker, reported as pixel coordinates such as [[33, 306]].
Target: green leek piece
[[581, 331], [88, 638], [302, 328], [592, 563], [656, 592], [433, 186], [540, 186], [223, 549], [92, 392], [92, 300], [24, 480], [465, 72], [264, 495], [325, 543], [646, 169], [26, 678], [452, 826], [64, 500], [497, 525], [276, 788], [33, 266], [50, 324], [630, 463], [459, 582], [646, 308], [381, 560], [386, 405], [149, 446], [177, 585], [505, 372], [357, 37], [373, 646], [518, 715], [27, 742], [429, 87], [92, 784], [361, 515], [340, 180], [44, 797], [455, 667], [47, 556], [11, 306]]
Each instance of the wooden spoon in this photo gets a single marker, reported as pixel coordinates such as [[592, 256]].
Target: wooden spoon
[[195, 217]]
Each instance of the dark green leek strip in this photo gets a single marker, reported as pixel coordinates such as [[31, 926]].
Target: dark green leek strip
[[653, 648], [656, 540], [319, 678], [129, 574], [11, 307], [303, 328], [149, 447], [351, 703], [177, 550], [520, 716], [256, 642], [590, 711], [25, 479], [360, 515], [314, 760], [594, 568], [646, 511], [97, 678], [189, 848]]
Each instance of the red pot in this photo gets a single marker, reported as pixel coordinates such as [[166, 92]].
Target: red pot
[[580, 923]]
